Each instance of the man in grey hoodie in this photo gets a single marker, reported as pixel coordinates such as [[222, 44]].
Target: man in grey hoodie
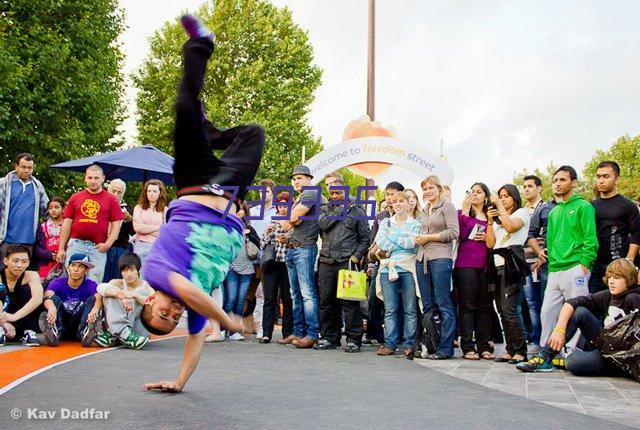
[[22, 200]]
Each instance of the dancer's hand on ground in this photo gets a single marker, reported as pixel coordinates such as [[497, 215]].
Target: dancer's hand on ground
[[236, 325], [166, 386], [93, 315]]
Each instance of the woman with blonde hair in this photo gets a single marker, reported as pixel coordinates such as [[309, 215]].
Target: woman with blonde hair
[[414, 203], [434, 265], [148, 216]]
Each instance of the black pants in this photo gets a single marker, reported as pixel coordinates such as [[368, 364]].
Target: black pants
[[71, 324], [507, 298], [275, 283], [331, 308], [195, 137], [474, 308], [596, 281], [376, 312]]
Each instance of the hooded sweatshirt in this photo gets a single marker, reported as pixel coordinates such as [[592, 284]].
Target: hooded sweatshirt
[[571, 235]]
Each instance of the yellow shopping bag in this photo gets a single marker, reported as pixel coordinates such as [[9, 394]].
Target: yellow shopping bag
[[352, 285]]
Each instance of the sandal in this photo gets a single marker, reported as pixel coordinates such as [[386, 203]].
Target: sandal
[[487, 355], [517, 358], [471, 355], [504, 358]]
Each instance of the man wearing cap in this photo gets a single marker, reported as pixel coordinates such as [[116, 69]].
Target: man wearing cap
[[301, 260], [70, 303]]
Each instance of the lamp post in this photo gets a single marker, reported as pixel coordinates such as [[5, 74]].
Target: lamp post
[[371, 74]]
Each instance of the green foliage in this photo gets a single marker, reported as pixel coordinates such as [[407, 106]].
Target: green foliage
[[261, 72], [626, 152], [60, 83], [545, 175]]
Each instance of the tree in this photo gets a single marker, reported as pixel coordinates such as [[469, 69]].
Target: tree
[[261, 72], [545, 175], [626, 152], [60, 83], [583, 188]]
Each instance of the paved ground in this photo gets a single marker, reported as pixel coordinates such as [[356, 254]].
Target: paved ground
[[615, 399], [247, 385]]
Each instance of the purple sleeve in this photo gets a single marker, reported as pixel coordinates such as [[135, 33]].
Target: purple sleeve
[[466, 224], [43, 255], [54, 286]]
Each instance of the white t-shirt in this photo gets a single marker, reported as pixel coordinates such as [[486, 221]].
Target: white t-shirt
[[505, 240]]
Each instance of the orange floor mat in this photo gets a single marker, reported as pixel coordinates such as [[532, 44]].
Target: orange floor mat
[[19, 364]]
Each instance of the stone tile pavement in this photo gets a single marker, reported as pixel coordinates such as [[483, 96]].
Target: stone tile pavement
[[613, 399]]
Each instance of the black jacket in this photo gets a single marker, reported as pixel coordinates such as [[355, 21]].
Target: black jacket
[[599, 303], [516, 267], [342, 239]]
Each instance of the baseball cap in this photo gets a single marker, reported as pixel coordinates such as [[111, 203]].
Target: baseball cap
[[82, 259]]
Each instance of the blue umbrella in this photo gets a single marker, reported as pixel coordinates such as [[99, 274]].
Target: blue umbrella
[[135, 164]]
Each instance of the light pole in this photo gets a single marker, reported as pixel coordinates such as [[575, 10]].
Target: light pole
[[371, 75]]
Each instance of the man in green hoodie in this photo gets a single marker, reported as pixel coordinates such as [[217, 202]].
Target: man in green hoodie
[[572, 245]]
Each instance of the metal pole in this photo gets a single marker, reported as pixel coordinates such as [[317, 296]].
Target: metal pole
[[371, 74]]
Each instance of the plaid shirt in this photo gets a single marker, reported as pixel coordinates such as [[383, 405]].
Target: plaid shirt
[[270, 238]]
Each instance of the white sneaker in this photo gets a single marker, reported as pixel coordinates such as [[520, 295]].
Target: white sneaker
[[236, 336], [30, 338]]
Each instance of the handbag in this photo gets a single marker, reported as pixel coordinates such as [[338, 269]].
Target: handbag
[[352, 284], [252, 249], [377, 254]]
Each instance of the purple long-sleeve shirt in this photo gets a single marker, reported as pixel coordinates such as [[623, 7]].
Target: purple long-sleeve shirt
[[471, 253]]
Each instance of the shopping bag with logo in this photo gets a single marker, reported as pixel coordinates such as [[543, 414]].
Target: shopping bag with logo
[[352, 285]]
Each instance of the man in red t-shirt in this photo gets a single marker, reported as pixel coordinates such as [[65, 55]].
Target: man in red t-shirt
[[91, 223]]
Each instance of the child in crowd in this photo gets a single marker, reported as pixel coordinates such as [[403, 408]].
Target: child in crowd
[[123, 301], [48, 237], [586, 313]]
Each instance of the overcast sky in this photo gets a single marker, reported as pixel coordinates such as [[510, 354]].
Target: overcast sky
[[505, 84]]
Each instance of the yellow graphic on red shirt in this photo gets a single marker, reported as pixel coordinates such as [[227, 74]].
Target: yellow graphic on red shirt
[[90, 209]]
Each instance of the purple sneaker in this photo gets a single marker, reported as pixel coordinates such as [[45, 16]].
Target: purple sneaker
[[195, 28]]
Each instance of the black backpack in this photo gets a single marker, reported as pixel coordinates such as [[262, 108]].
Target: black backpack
[[428, 334]]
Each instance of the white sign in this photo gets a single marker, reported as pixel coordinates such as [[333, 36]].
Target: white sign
[[374, 155]]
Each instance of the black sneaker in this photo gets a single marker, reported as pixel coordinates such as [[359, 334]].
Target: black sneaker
[[352, 347], [370, 342], [30, 338], [324, 345], [49, 331], [92, 330]]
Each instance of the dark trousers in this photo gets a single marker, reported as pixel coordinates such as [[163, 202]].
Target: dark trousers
[[376, 312], [475, 305], [111, 268], [71, 324], [596, 281], [507, 298], [195, 137], [331, 308], [275, 283], [588, 362]]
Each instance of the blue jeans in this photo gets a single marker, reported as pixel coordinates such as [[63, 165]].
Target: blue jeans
[[534, 303], [97, 258], [544, 275], [111, 267], [304, 291], [235, 288], [392, 291], [436, 284]]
